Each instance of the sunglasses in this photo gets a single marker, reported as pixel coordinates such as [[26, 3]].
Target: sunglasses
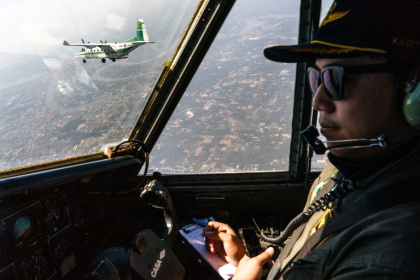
[[331, 77]]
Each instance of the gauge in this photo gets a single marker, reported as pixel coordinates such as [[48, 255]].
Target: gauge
[[54, 217], [27, 231], [25, 226], [22, 227]]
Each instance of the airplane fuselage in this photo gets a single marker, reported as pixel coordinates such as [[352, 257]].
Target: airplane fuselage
[[111, 51]]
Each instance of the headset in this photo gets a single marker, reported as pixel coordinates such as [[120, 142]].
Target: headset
[[411, 104], [411, 110]]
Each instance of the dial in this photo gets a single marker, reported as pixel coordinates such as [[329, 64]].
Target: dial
[[22, 227], [26, 229]]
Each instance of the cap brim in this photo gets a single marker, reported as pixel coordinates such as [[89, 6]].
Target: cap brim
[[310, 52]]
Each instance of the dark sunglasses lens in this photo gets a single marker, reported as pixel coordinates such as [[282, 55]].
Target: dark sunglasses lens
[[314, 80], [332, 83]]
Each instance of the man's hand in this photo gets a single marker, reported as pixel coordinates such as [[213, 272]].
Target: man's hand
[[222, 240], [251, 268]]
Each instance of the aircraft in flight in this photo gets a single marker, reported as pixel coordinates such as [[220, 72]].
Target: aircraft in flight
[[115, 50]]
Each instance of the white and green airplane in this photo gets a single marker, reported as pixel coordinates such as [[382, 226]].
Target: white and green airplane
[[115, 50]]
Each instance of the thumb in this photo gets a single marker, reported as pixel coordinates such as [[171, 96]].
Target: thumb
[[265, 256]]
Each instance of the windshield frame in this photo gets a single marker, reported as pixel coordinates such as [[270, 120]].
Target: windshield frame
[[178, 74], [174, 79]]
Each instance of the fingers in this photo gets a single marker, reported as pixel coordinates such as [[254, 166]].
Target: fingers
[[217, 226], [251, 268], [221, 239], [218, 231], [213, 240], [210, 246], [209, 227], [265, 256], [217, 235]]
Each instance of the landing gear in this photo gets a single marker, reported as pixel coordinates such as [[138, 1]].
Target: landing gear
[[113, 59], [84, 60], [103, 60]]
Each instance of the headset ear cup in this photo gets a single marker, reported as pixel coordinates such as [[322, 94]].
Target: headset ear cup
[[411, 107], [411, 104]]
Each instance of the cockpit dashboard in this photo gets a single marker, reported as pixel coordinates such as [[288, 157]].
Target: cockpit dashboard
[[52, 227], [45, 239]]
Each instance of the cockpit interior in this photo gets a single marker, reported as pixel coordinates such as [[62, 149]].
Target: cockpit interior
[[196, 125]]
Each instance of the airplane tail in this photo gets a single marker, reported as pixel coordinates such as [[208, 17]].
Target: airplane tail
[[141, 32]]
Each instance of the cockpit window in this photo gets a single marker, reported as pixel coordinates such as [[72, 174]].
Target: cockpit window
[[53, 105], [236, 114]]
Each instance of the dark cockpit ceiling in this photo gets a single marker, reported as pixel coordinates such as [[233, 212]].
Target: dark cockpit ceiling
[[54, 221]]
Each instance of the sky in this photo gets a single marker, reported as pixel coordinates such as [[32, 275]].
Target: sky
[[38, 27], [34, 27]]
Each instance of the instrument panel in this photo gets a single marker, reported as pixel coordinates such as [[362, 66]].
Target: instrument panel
[[43, 239]]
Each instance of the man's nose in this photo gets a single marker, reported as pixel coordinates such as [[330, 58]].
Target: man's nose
[[321, 102]]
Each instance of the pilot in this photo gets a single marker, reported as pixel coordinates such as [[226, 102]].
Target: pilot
[[364, 69]]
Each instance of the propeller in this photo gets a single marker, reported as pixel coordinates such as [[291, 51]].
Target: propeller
[[83, 41]]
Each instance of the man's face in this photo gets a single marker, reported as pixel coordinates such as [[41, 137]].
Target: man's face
[[368, 108]]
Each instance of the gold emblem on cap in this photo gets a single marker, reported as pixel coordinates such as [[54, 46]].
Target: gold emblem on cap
[[330, 17]]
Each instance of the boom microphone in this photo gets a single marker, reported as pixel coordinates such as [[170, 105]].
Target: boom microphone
[[311, 134]]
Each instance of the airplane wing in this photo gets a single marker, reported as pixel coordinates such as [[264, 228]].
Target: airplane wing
[[90, 45]]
